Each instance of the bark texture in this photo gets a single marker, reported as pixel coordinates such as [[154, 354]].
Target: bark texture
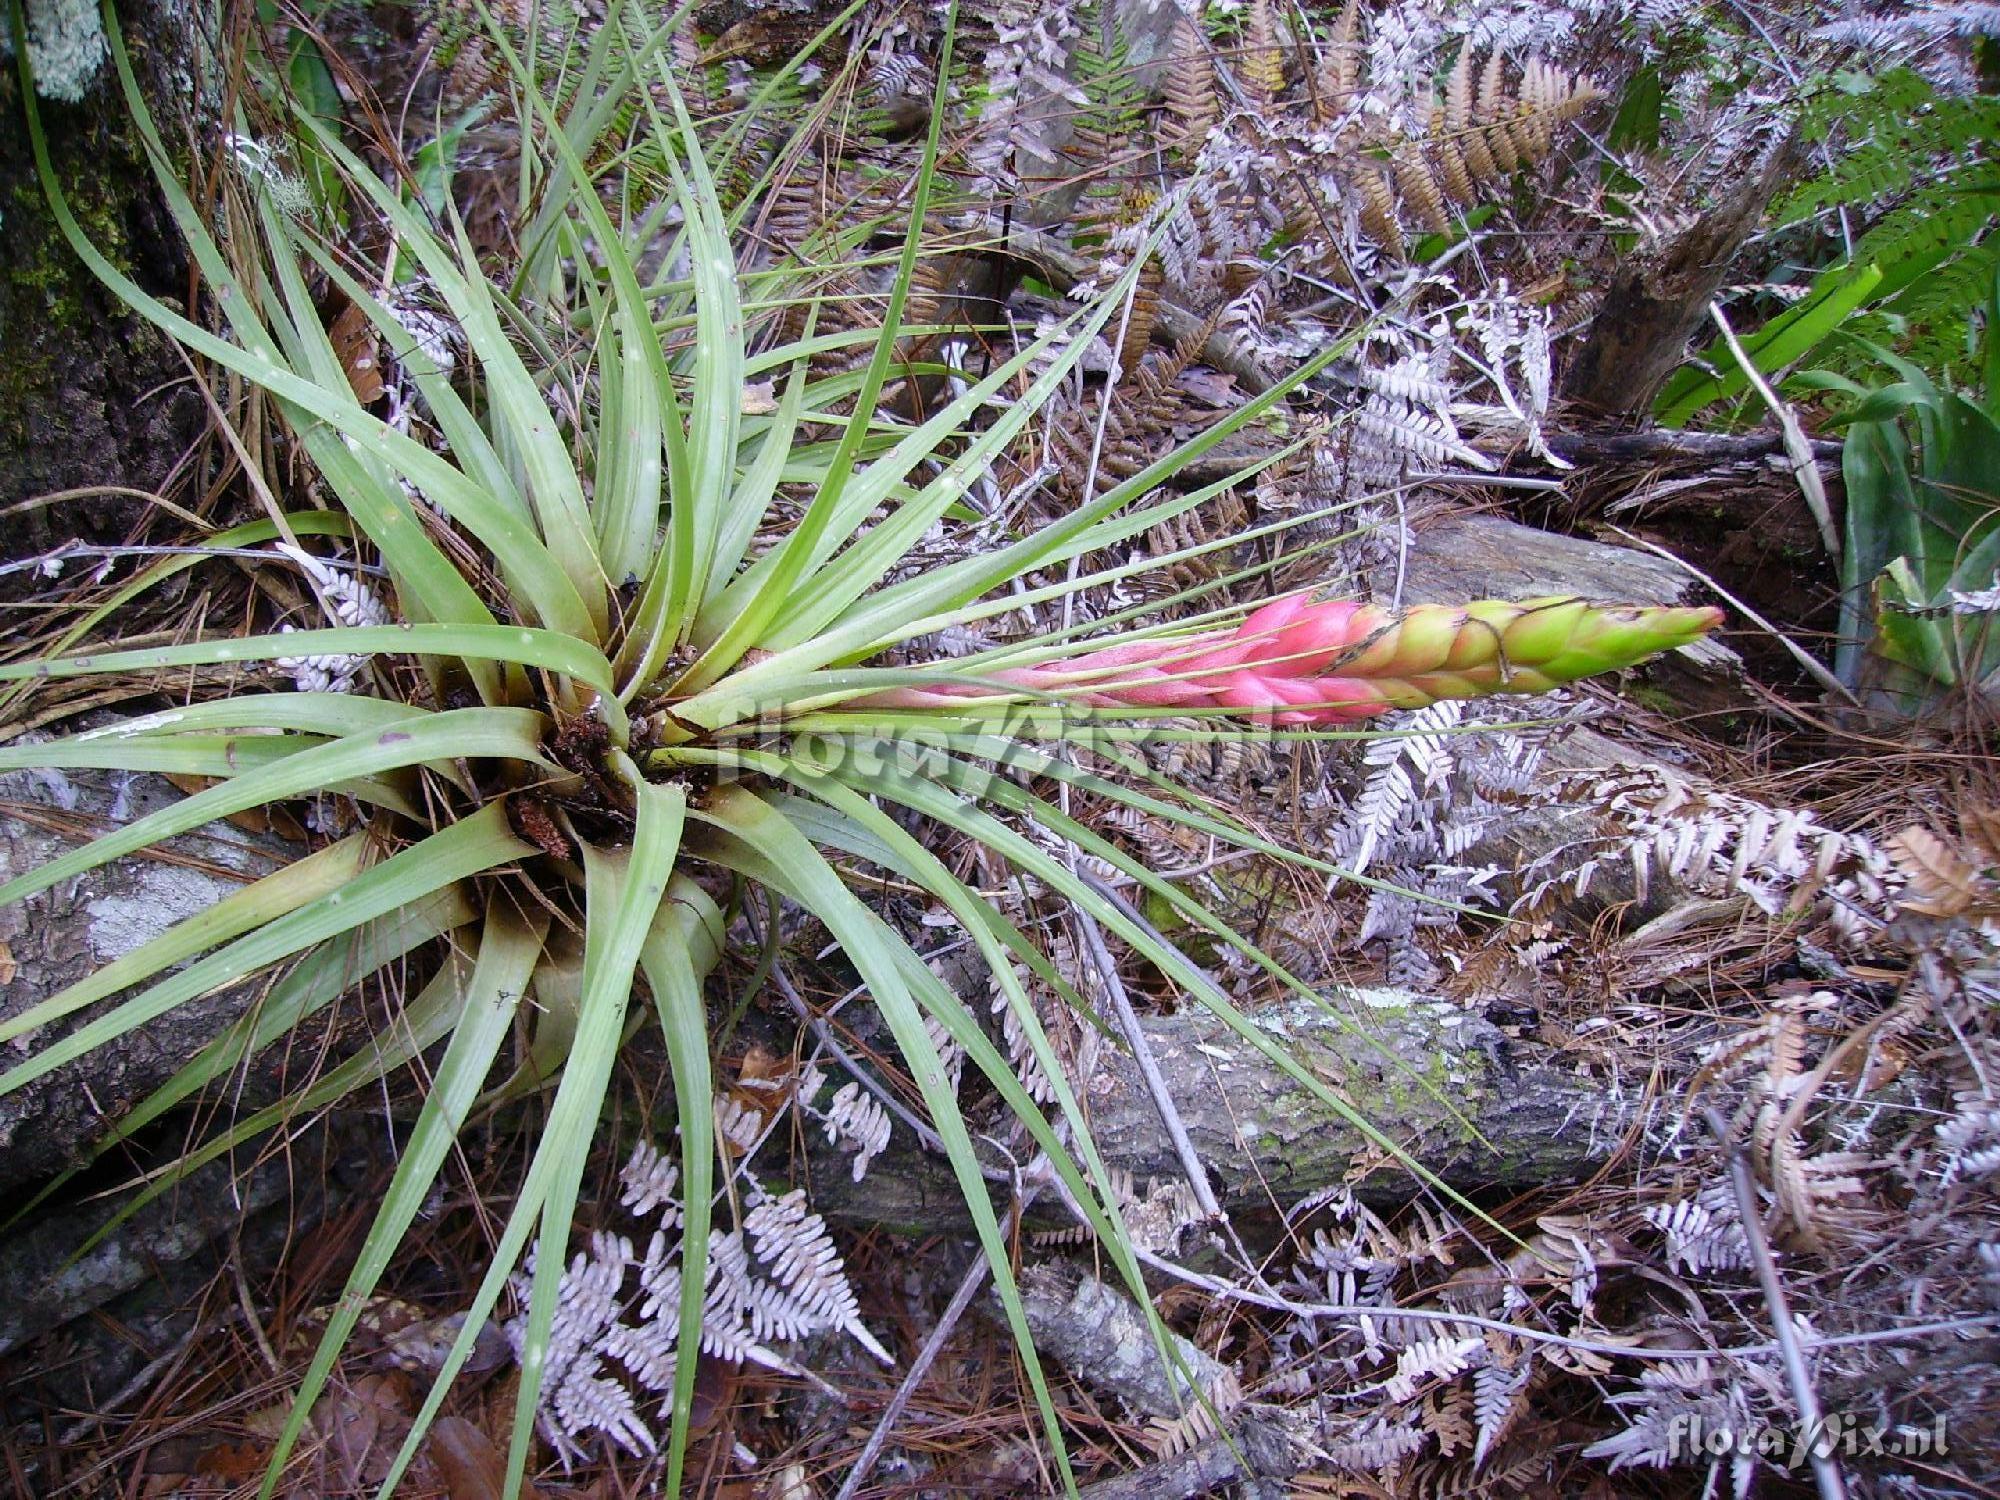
[[1655, 302], [90, 394], [80, 925], [1443, 1085]]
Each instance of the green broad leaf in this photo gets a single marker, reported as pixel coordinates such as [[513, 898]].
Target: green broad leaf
[[649, 407], [834, 585], [1791, 336], [471, 733], [766, 848], [471, 449], [716, 405], [298, 884], [1637, 123], [1882, 513], [509, 944], [479, 843], [685, 943], [623, 891], [558, 570], [845, 513], [700, 458], [630, 439], [1107, 535]]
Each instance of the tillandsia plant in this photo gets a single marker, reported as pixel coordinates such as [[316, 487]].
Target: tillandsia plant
[[626, 672]]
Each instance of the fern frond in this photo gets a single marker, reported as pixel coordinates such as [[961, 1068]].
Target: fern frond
[[1190, 90], [1339, 74], [1261, 58]]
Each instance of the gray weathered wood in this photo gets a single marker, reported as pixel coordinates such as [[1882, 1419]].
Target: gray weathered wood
[[80, 925], [1442, 1084]]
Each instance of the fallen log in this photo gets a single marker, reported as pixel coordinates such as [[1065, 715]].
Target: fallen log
[[1440, 1084], [76, 928]]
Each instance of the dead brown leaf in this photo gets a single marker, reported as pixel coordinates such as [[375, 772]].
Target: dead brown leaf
[[1943, 883], [1982, 831], [471, 1465], [358, 349]]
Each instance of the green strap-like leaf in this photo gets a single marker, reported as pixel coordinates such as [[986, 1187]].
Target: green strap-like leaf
[[623, 891], [764, 846], [478, 843], [503, 733], [429, 582], [509, 945], [333, 714], [331, 970], [926, 793], [683, 946], [298, 884]]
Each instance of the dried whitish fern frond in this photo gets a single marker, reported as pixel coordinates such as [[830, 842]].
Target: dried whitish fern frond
[[1663, 824], [1703, 1233], [793, 1244], [1441, 1357], [647, 1182], [1499, 1397], [1675, 1398], [1970, 1139], [620, 1310], [855, 1119], [1375, 1444]]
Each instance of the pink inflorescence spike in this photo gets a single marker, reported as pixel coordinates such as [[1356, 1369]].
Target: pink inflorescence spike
[[1319, 662]]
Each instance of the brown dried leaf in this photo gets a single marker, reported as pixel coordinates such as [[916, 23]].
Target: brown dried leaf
[[359, 352], [1981, 826], [469, 1463], [1944, 884]]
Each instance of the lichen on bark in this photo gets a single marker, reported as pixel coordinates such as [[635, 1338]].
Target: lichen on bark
[[90, 395]]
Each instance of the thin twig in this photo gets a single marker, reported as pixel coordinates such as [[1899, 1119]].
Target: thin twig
[[968, 1288], [1805, 467], [1812, 1422], [1804, 658], [1142, 1054]]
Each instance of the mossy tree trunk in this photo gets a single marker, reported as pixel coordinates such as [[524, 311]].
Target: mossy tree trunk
[[91, 395]]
